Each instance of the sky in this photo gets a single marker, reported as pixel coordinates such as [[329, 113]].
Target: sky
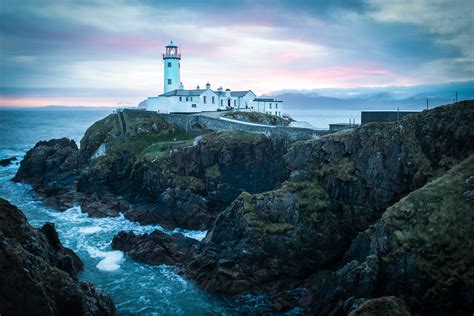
[[108, 53]]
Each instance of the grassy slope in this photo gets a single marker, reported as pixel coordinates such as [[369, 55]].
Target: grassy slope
[[437, 221]]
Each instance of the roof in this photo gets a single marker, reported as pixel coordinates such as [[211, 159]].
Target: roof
[[266, 100], [184, 93], [239, 94]]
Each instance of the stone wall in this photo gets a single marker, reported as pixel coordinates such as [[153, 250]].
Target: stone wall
[[189, 122]]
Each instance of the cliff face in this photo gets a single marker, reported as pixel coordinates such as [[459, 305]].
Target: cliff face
[[39, 274], [317, 229], [170, 176]]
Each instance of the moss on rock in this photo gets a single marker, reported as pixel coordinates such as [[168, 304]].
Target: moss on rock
[[343, 169], [434, 221], [213, 171]]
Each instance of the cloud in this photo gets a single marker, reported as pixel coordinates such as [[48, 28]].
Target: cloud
[[259, 45]]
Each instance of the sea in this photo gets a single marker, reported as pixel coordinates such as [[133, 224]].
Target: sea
[[135, 288]]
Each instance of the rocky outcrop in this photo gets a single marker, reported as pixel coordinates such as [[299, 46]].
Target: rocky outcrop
[[259, 118], [194, 184], [52, 168], [323, 229], [7, 161], [381, 306], [156, 247], [417, 250], [39, 274], [155, 172]]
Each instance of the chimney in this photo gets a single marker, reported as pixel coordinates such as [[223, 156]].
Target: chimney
[[181, 87], [197, 87], [227, 92], [208, 86]]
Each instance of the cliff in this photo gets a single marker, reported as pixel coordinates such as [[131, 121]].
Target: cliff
[[350, 222], [325, 228], [39, 274], [170, 176]]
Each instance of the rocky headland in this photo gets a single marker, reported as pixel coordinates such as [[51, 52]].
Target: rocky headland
[[374, 219], [38, 274]]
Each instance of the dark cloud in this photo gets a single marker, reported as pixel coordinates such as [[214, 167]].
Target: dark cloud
[[41, 43]]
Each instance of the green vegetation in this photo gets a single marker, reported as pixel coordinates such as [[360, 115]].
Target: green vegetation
[[312, 198], [343, 169], [188, 182], [436, 221], [249, 204], [382, 306], [234, 137], [213, 172], [259, 118]]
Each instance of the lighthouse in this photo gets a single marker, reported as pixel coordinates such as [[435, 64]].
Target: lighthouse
[[171, 63]]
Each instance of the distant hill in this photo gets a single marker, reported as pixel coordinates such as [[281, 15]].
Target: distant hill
[[405, 98], [301, 101]]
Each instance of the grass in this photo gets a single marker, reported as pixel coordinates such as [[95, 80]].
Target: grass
[[436, 221], [260, 118], [213, 172], [234, 137], [312, 198], [343, 169]]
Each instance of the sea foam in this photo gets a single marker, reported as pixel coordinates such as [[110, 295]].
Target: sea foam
[[111, 261]]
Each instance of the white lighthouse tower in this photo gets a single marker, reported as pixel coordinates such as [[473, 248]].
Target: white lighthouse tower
[[171, 62]]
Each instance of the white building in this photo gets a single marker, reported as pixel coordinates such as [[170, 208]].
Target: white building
[[176, 99]]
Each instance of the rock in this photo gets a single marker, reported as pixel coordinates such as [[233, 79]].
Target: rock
[[416, 251], [156, 247], [382, 306], [175, 208], [52, 168], [7, 161], [105, 206], [39, 274]]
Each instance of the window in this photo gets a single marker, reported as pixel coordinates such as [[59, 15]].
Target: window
[[187, 99], [213, 100], [235, 102], [193, 105], [222, 102], [169, 81], [270, 105], [204, 99], [169, 64], [191, 98], [180, 99], [276, 105], [179, 65]]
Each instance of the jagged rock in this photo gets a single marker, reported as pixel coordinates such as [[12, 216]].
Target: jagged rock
[[156, 247], [175, 207], [323, 230], [7, 161], [381, 306], [39, 274], [52, 168]]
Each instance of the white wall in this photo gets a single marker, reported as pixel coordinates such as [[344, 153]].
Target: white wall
[[172, 73], [268, 107], [174, 105]]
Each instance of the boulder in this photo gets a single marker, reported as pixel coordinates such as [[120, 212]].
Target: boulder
[[39, 274]]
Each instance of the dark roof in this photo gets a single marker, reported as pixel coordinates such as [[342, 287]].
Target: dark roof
[[239, 94], [184, 93], [266, 100]]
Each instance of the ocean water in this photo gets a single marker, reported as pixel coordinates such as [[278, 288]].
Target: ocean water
[[136, 288], [321, 119]]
